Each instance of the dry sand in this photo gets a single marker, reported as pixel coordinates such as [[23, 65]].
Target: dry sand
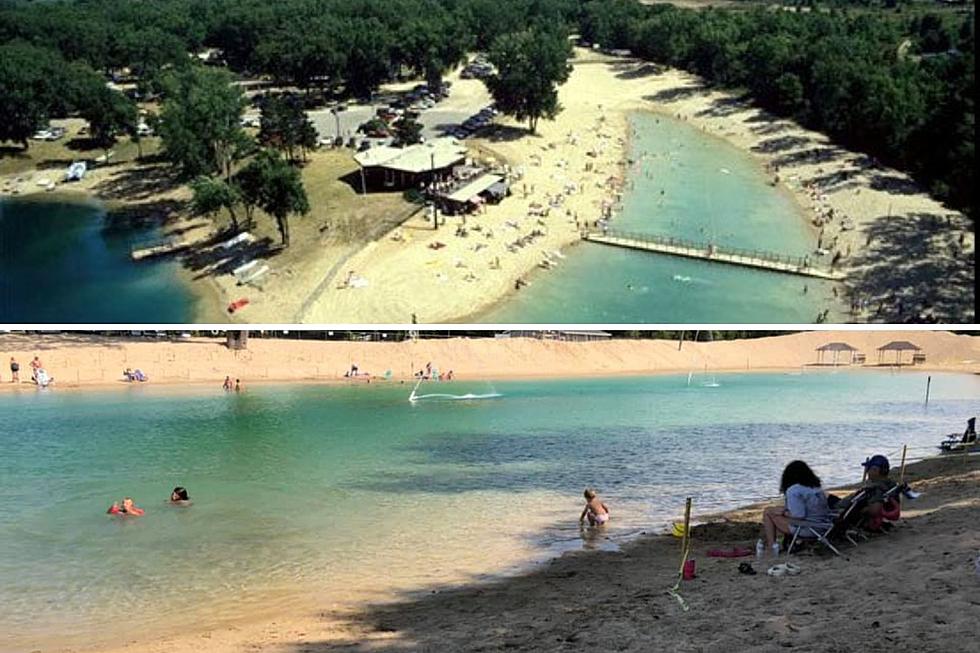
[[907, 256], [85, 360]]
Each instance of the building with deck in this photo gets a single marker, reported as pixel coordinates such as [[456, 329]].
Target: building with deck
[[392, 168]]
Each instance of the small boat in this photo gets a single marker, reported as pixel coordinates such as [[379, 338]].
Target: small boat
[[76, 171]]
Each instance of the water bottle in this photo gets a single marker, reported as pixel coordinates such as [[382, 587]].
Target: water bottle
[[775, 549], [760, 549]]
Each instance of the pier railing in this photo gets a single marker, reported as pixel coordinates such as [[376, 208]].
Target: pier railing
[[707, 249]]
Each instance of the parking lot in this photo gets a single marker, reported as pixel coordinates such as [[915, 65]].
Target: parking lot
[[466, 98]]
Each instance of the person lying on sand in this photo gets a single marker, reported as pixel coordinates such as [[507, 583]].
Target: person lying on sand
[[595, 510], [804, 500]]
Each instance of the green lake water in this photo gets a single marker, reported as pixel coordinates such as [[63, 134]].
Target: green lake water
[[307, 494], [689, 185], [60, 264]]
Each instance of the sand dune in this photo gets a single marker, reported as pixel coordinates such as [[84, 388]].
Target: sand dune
[[82, 360]]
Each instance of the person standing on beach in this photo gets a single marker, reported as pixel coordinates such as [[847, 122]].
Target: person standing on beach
[[35, 366], [14, 370], [227, 384]]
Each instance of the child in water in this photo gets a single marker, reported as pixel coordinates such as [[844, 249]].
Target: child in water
[[595, 510], [127, 508]]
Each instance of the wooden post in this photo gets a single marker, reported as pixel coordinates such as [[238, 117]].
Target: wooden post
[[901, 474], [928, 383], [686, 540]]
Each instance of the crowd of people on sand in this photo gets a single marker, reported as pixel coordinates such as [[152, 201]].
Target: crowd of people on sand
[[39, 376], [128, 508], [430, 373]]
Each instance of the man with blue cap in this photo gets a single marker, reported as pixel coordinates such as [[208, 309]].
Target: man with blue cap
[[878, 485]]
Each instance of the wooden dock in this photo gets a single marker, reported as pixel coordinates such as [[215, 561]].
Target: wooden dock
[[759, 259], [159, 248]]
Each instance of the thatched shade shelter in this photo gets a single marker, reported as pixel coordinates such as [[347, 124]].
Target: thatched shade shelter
[[899, 347], [836, 348]]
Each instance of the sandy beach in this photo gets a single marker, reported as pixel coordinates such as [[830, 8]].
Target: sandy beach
[[914, 584], [907, 257], [874, 217], [82, 360]]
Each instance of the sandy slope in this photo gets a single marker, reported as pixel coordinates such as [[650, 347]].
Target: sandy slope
[[82, 360]]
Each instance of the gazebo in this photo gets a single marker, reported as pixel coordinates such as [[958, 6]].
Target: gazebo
[[900, 347], [836, 348]]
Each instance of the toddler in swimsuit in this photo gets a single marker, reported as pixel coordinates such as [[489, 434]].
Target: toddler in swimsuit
[[595, 510]]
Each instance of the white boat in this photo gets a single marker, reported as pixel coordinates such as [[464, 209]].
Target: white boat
[[76, 171]]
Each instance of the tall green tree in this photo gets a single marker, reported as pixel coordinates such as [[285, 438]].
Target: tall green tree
[[530, 67], [408, 131], [276, 187], [285, 126], [211, 195], [29, 79], [200, 122], [109, 113]]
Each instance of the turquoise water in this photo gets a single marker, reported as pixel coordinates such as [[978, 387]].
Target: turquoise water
[[60, 264], [308, 494], [711, 191]]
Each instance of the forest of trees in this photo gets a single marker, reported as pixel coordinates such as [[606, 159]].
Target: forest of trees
[[895, 85]]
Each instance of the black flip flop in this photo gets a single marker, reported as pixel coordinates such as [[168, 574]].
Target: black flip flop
[[746, 568]]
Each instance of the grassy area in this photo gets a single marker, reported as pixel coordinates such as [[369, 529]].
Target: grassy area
[[56, 156]]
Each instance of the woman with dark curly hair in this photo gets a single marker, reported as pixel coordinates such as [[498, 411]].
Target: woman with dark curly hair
[[804, 500]]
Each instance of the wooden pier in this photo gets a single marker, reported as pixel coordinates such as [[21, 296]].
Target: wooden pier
[[759, 259], [159, 248]]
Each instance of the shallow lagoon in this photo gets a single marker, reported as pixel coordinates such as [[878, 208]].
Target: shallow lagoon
[[690, 185], [306, 495]]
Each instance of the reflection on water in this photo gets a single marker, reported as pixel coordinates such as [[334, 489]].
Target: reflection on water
[[309, 494]]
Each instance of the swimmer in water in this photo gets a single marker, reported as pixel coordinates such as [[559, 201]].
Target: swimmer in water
[[629, 286], [130, 508], [179, 496]]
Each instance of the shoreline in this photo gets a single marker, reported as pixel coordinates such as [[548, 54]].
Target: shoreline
[[409, 278], [648, 555], [340, 381], [98, 361], [810, 169]]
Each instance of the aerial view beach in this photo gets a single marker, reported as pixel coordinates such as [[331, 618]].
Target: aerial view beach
[[394, 491], [642, 184]]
